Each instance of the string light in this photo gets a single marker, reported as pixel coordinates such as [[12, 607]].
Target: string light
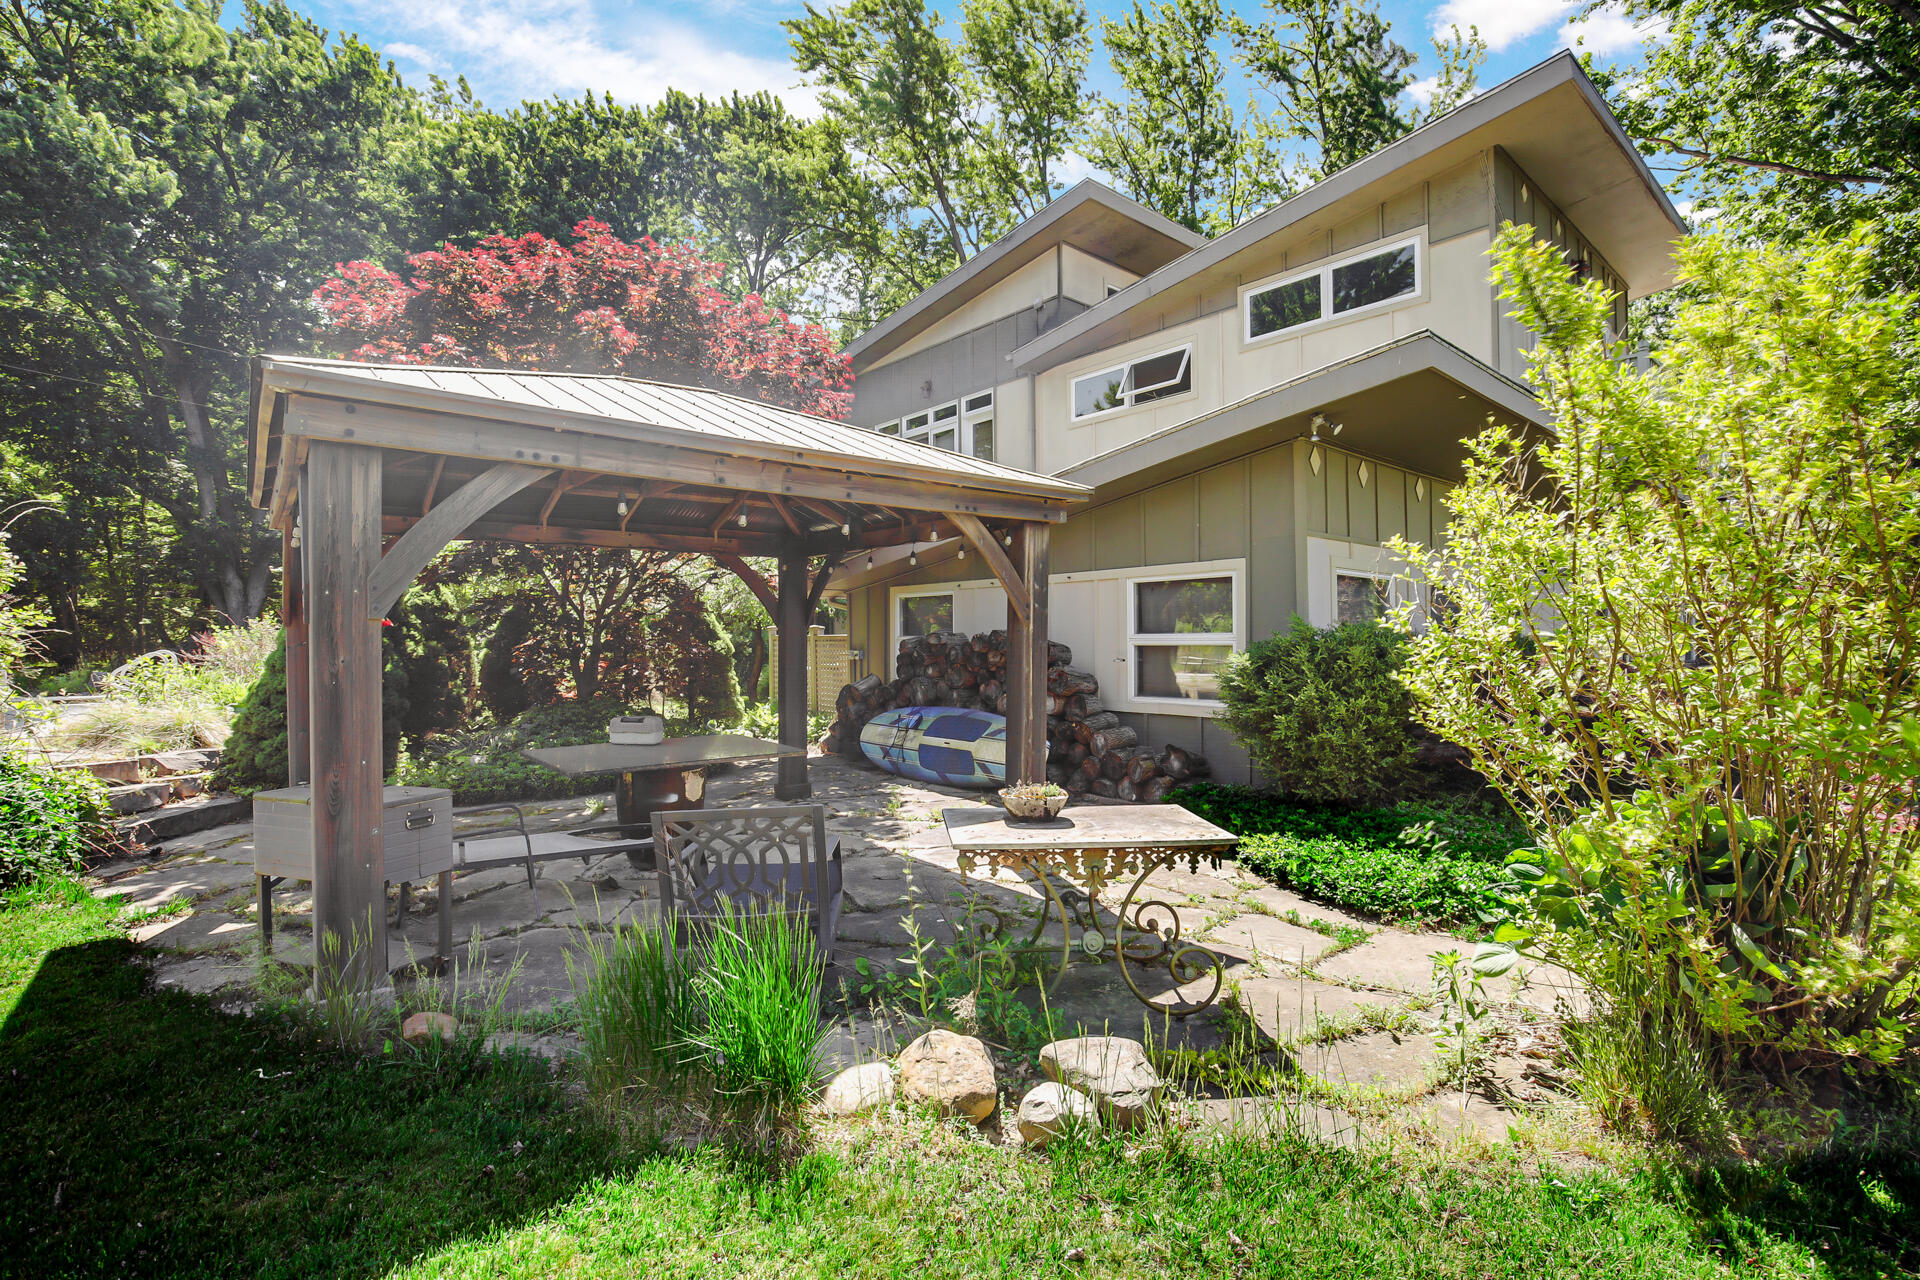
[[913, 556]]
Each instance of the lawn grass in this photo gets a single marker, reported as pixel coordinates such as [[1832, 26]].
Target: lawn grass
[[149, 1135]]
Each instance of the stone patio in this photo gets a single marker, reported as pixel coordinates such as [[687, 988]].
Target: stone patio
[[1355, 1017]]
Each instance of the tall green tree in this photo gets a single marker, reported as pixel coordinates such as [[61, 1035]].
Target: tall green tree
[[963, 137], [1339, 80], [176, 187], [1173, 141], [1787, 118]]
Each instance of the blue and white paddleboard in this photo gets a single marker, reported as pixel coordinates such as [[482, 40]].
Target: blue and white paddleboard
[[948, 745]]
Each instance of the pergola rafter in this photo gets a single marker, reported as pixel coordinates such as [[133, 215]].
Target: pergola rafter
[[379, 467]]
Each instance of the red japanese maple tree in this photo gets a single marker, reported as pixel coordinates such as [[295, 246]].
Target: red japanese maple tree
[[598, 305]]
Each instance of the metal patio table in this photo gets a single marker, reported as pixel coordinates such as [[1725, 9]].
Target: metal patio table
[[665, 775], [1091, 847]]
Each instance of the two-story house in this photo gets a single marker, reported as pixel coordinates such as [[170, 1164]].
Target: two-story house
[[1257, 414]]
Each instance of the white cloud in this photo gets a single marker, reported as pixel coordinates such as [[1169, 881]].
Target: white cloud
[[1501, 22], [538, 48], [1606, 32], [1073, 166], [1421, 91]]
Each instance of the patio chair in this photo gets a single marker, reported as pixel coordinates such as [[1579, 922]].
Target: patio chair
[[512, 844], [777, 857]]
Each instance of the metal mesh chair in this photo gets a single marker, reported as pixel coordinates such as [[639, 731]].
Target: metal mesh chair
[[777, 858]]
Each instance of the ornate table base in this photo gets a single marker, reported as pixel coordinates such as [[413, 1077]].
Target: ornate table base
[[1146, 931]]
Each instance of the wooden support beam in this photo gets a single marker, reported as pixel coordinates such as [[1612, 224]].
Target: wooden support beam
[[786, 514], [286, 483], [433, 484], [340, 523], [763, 591], [563, 482], [432, 532], [668, 457], [988, 546], [293, 617], [693, 542], [732, 510], [790, 620], [641, 493], [819, 587], [1027, 661]]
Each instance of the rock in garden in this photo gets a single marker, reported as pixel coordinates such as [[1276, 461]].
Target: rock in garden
[[952, 1072], [422, 1027], [1049, 1109], [1112, 1069], [866, 1087]]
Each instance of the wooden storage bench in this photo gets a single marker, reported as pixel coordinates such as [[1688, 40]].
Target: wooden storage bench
[[417, 832]]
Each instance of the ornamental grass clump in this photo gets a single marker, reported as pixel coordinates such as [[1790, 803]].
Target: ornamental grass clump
[[1680, 638]]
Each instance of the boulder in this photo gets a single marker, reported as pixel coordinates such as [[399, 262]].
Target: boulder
[[1113, 1070], [422, 1027], [1050, 1109], [867, 1087], [953, 1073]]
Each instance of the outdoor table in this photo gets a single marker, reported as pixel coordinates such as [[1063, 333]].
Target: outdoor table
[[1094, 846], [666, 775]]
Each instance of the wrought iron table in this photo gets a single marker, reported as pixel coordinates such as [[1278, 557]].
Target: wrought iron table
[[1091, 847]]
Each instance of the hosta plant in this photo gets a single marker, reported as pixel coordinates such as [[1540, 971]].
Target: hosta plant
[[1681, 636]]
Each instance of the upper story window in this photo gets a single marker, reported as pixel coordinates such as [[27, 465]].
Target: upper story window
[[1154, 377], [946, 426], [1375, 278]]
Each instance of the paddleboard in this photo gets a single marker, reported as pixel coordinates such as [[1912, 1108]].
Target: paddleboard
[[947, 745]]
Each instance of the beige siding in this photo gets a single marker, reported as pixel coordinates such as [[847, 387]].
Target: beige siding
[[1452, 216], [1037, 280]]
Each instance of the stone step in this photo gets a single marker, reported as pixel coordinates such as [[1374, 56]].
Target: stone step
[[184, 817]]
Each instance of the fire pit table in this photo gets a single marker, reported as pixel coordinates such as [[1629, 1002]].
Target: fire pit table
[[1091, 847], [665, 775]]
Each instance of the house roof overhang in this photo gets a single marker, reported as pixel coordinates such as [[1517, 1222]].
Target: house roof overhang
[[1409, 402], [1089, 215], [714, 472], [1550, 119]]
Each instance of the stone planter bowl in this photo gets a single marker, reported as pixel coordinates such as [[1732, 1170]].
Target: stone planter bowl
[[1032, 809]]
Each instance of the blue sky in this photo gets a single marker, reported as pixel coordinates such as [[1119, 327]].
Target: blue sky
[[510, 50]]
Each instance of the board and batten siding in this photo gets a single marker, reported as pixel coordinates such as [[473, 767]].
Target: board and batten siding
[[1258, 510]]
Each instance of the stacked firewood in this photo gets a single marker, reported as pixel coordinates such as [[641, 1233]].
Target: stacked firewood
[[1088, 749]]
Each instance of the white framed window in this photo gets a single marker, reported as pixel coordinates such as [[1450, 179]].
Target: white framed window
[[1141, 381], [1358, 582], [976, 425], [1380, 277], [1182, 630], [921, 611], [889, 428]]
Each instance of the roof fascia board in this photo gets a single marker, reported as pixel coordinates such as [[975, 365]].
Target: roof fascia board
[[1086, 191], [1560, 69], [1398, 359]]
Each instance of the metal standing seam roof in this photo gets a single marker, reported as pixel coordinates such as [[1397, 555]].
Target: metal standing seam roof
[[614, 406]]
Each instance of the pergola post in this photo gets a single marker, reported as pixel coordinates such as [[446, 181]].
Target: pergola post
[[1027, 659], [293, 617], [340, 505], [790, 622]]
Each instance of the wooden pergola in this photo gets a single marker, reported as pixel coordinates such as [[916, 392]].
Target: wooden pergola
[[369, 471]]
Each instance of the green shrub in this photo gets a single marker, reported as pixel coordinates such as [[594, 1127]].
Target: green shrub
[[1416, 860], [254, 757], [50, 819], [1713, 726], [1320, 712]]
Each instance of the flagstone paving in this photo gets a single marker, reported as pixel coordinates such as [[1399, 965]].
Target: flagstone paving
[[1347, 1001]]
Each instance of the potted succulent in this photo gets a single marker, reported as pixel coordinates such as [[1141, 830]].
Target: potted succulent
[[1034, 802]]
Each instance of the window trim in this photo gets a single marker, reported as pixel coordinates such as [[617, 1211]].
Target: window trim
[[1234, 570], [1074, 419], [1373, 575], [1328, 316], [971, 413]]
